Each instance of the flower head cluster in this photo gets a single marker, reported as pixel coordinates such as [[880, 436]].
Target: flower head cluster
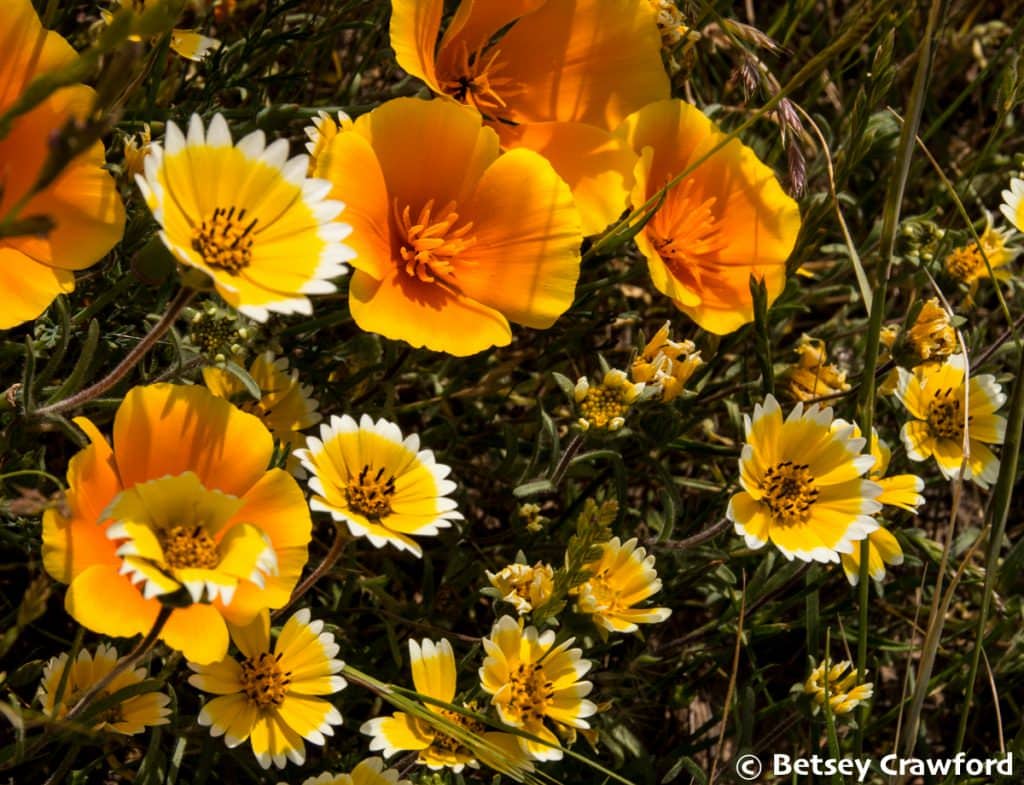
[[132, 715], [844, 693], [967, 263], [932, 336], [622, 577], [606, 404], [523, 586], [271, 697], [812, 376], [666, 365]]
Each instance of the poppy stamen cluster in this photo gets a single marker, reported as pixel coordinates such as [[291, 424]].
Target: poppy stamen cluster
[[429, 244]]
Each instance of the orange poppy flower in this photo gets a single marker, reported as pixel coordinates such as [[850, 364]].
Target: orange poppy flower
[[82, 202], [562, 75], [728, 220], [180, 510], [452, 240]]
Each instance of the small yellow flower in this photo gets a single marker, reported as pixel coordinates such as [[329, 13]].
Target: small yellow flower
[[967, 262], [932, 337], [133, 715], [135, 152], [434, 675], [531, 515], [524, 586], [380, 484], [272, 697], [844, 694], [813, 376], [937, 396], [1013, 203], [285, 406], [670, 21], [187, 43], [621, 578], [532, 681], [802, 486], [320, 134], [606, 405], [369, 771], [666, 364]]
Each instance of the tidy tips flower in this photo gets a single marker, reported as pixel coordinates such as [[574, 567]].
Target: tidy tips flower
[[802, 484], [247, 216], [812, 375], [180, 511], [606, 404], [369, 771], [523, 586], [132, 715], [82, 202], [1013, 203], [379, 483], [666, 365], [844, 694], [621, 578], [941, 402], [534, 683], [272, 696]]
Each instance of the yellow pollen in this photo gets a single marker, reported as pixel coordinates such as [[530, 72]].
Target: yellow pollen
[[189, 546], [371, 494], [449, 744], [474, 80], [224, 240], [965, 263], [263, 681], [430, 243], [945, 416], [602, 405], [789, 492], [531, 694]]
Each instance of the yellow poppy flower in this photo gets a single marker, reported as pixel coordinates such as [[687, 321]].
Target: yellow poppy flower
[[553, 76], [898, 490], [381, 485], [82, 202], [844, 694], [523, 586], [1013, 203], [180, 509], [271, 696], [622, 577], [434, 675], [802, 486], [728, 220], [936, 396], [187, 43], [453, 241], [285, 405], [533, 682], [369, 771], [605, 405], [666, 364], [132, 715], [245, 215]]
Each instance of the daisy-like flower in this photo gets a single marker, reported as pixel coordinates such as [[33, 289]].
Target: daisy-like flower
[[285, 406], [320, 134], [621, 578], [187, 43], [606, 405], [666, 364], [453, 241], [966, 263], [812, 375], [82, 202], [369, 771], [132, 715], [434, 675], [533, 682], [726, 221], [803, 486], [898, 490], [937, 397], [271, 697], [523, 586], [844, 694], [381, 485], [552, 76], [181, 510], [247, 216], [932, 336], [1013, 203]]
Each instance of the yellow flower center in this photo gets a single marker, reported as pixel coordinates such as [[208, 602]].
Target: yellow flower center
[[224, 240], [474, 79], [602, 405], [965, 263], [945, 417], [189, 546], [429, 243], [789, 491], [601, 595], [444, 743], [371, 494], [263, 681], [531, 693]]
